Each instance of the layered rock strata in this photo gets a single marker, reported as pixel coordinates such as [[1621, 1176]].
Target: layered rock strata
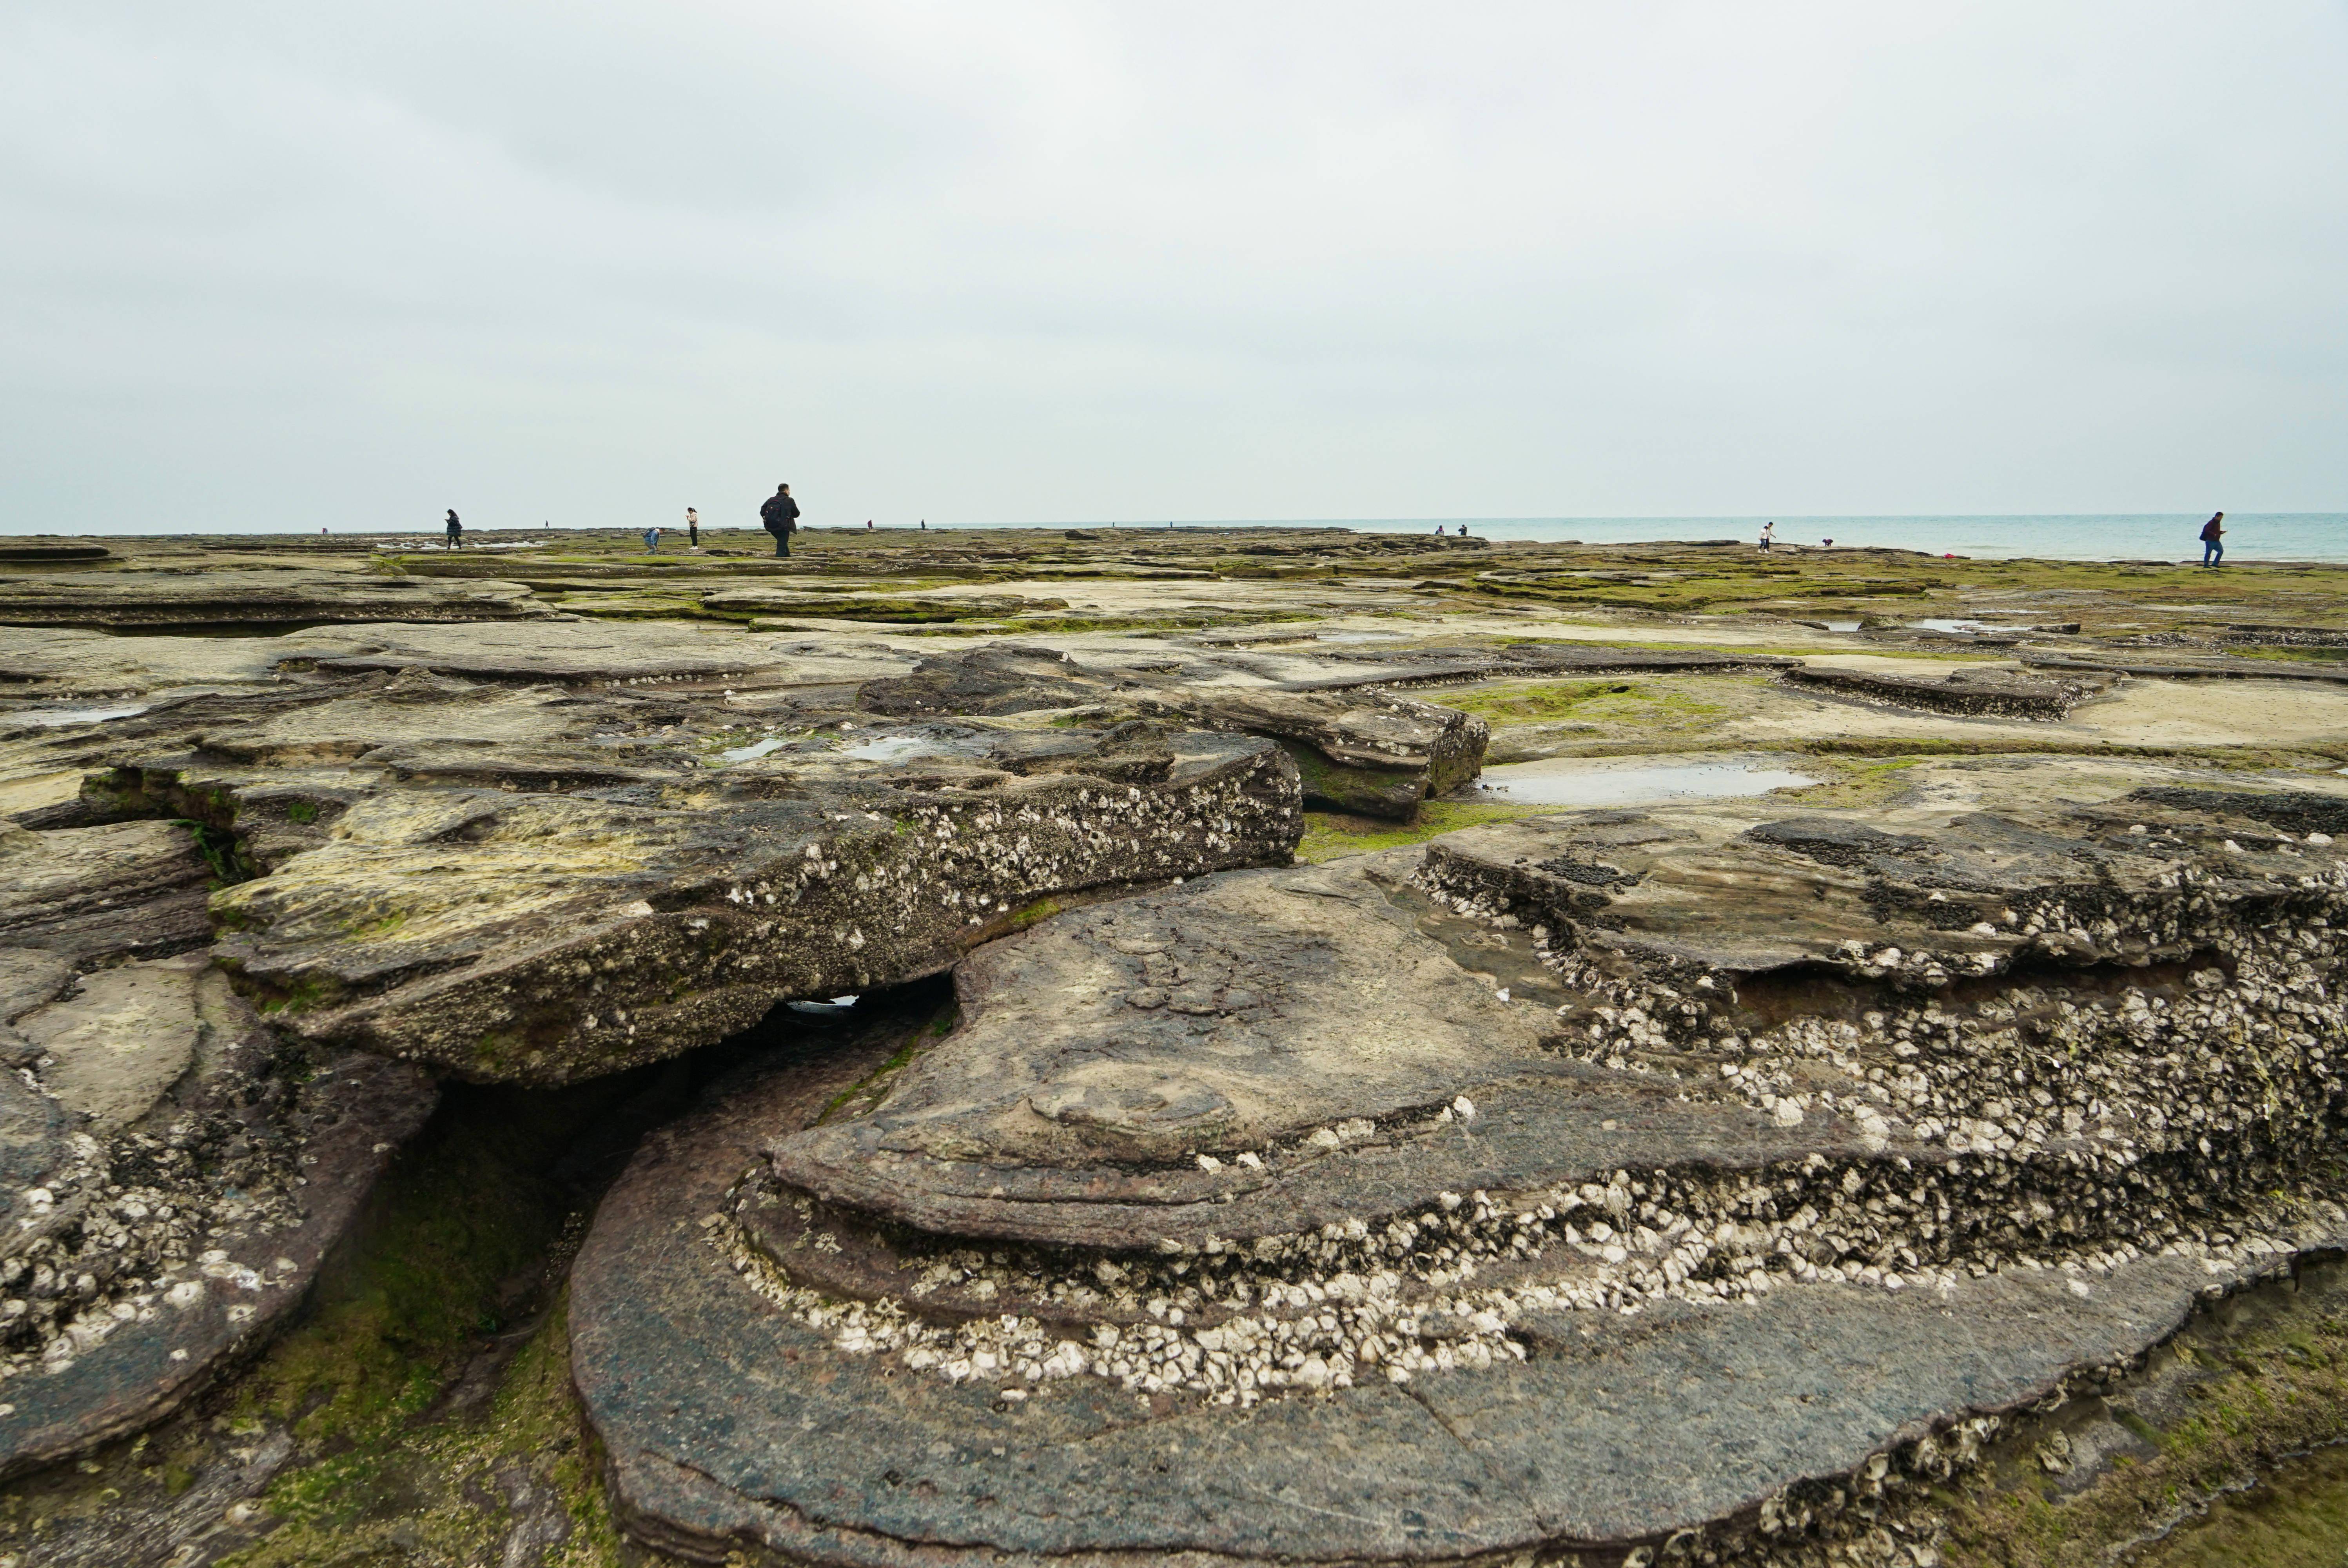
[[1358, 749], [1596, 1182], [234, 599], [538, 886], [1372, 753], [171, 1174], [1989, 692]]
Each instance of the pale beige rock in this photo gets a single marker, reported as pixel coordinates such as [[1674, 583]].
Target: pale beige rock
[[120, 1040]]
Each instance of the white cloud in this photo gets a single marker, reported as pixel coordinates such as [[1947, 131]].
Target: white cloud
[[282, 265]]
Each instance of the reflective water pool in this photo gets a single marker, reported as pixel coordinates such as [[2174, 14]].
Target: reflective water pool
[[1588, 784]]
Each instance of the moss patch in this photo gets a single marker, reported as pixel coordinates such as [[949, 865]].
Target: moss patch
[[1330, 834]]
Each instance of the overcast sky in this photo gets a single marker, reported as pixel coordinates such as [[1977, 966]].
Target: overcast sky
[[301, 265]]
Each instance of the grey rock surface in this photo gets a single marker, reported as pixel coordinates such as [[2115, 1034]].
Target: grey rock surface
[[543, 884], [1358, 750], [1994, 692], [171, 1176], [1590, 1179]]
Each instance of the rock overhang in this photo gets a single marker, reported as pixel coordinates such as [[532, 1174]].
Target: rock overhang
[[2043, 1144]]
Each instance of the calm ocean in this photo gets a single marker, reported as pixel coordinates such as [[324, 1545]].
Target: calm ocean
[[2250, 536]]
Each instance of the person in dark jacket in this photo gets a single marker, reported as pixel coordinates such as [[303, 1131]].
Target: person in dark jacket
[[781, 517], [2213, 533], [455, 530]]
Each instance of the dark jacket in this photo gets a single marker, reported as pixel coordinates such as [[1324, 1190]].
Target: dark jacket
[[781, 515], [2211, 529]]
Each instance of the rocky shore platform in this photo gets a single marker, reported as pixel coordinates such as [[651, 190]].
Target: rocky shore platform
[[1137, 1046]]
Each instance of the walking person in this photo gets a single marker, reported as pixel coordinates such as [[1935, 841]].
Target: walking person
[[781, 517], [1768, 534], [455, 530], [2213, 537], [691, 529]]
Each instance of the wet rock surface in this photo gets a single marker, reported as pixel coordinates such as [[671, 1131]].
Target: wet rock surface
[[1626, 1133]]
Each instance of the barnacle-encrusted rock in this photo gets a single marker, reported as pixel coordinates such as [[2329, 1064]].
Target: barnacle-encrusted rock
[[1995, 692], [1592, 1180], [170, 1175], [540, 885]]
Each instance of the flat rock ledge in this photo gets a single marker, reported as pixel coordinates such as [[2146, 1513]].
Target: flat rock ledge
[[1992, 693], [538, 885], [1356, 747], [171, 1175], [1602, 1182]]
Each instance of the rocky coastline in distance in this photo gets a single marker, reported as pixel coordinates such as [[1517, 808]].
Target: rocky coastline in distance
[[1130, 1047]]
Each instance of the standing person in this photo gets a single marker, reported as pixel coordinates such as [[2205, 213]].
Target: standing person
[[2213, 534], [691, 529], [1768, 534], [455, 530], [781, 517]]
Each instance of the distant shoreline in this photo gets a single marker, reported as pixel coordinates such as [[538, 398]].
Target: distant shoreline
[[2272, 538]]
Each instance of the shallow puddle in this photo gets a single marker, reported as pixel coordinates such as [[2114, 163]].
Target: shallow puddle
[[752, 752], [898, 748], [1553, 783]]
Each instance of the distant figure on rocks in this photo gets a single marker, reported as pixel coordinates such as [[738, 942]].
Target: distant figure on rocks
[[781, 517], [652, 538], [868, 525], [2213, 534], [691, 529], [1438, 531], [1768, 534], [455, 530]]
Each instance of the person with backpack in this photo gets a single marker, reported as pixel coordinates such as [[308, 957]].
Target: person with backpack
[[2213, 534], [781, 517]]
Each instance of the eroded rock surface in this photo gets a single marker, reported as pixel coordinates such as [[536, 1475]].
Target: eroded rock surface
[[1376, 753], [1587, 1181], [1358, 750], [2000, 693], [540, 884], [171, 1174], [241, 599]]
